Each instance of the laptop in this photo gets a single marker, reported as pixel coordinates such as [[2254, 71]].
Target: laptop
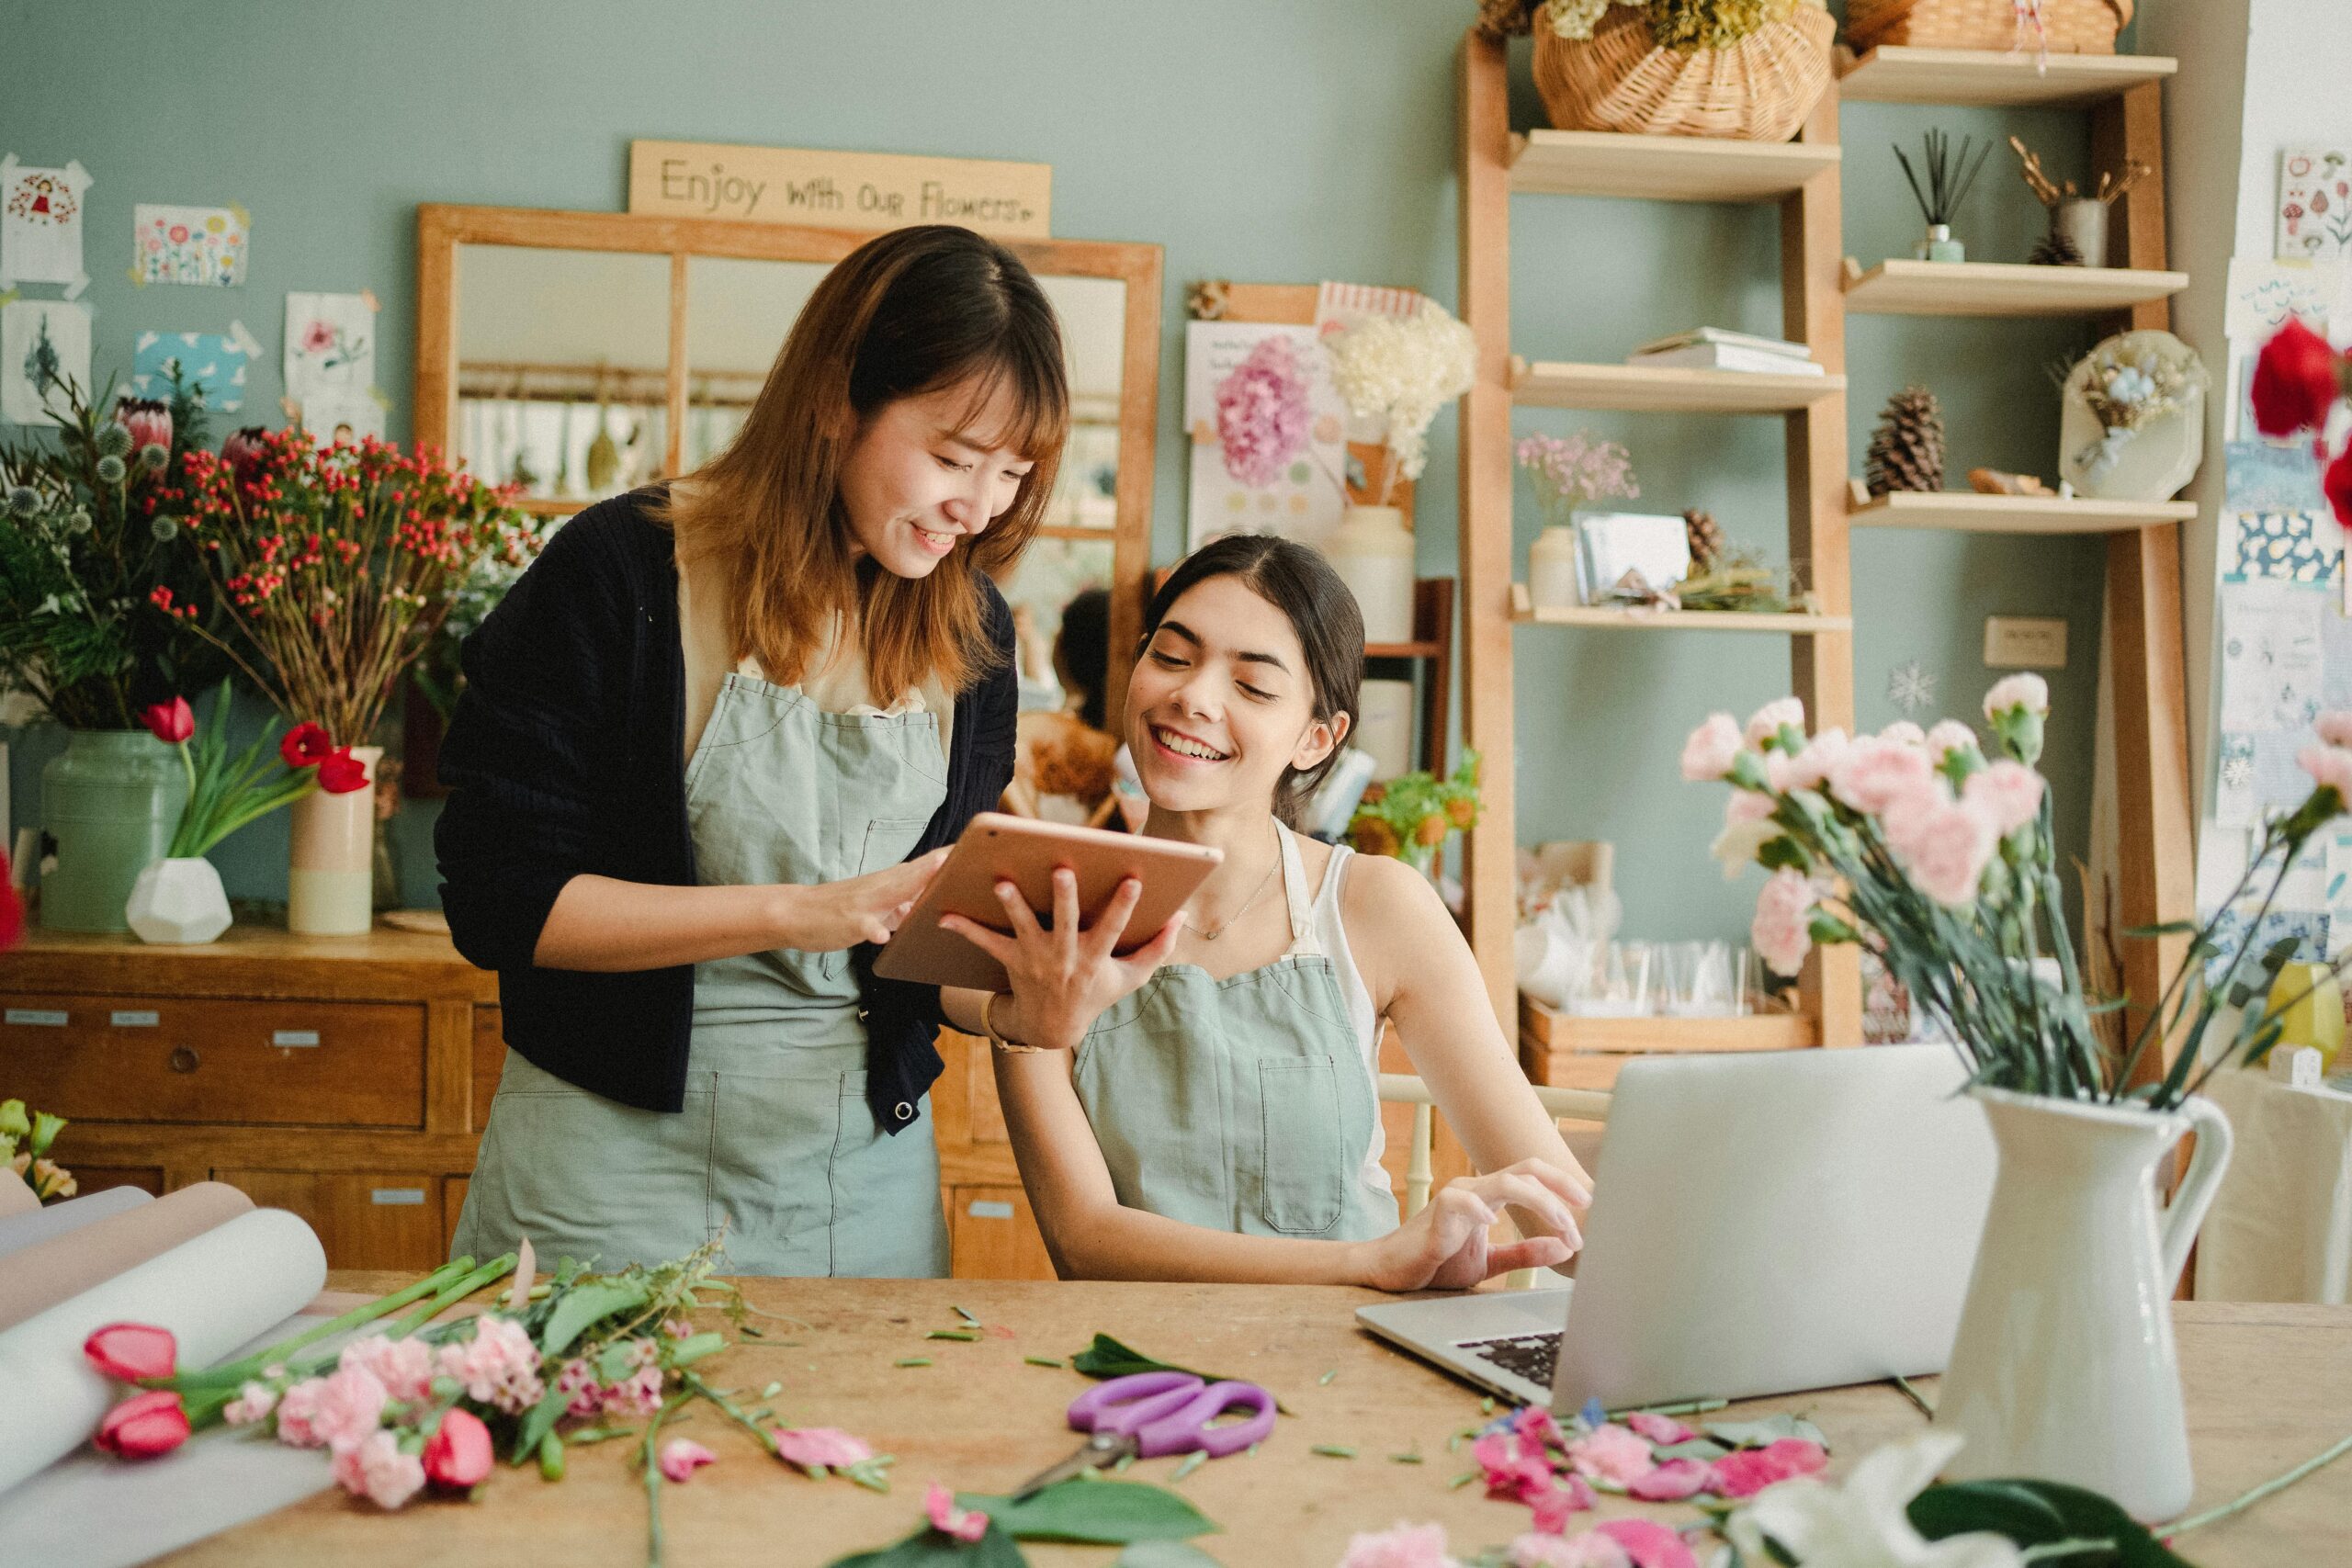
[[1761, 1223]]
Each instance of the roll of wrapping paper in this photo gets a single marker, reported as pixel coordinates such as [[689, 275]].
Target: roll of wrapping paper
[[15, 1194], [18, 1231], [64, 1267], [215, 1292]]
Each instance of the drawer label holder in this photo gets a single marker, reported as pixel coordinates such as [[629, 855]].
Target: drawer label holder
[[294, 1037], [37, 1018]]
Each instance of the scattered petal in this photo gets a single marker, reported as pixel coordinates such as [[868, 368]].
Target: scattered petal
[[681, 1457]]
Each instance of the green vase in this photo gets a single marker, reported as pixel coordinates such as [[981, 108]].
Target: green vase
[[109, 803]]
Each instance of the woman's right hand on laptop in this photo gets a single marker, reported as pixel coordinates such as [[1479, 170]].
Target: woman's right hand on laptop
[[1446, 1246], [1062, 978]]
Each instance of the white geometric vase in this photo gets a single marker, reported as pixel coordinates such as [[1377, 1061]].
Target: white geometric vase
[[179, 903]]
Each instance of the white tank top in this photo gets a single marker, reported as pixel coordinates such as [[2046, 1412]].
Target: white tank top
[[1323, 932]]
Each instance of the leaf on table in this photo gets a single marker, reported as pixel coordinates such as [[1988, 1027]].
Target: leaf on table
[[585, 1304], [1164, 1554], [2039, 1513], [1109, 1512], [1107, 1358], [1705, 1450], [928, 1547], [1763, 1433], [538, 1422]]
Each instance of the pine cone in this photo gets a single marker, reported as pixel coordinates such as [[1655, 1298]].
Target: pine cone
[[1506, 18], [1907, 451], [1706, 537], [2057, 248]]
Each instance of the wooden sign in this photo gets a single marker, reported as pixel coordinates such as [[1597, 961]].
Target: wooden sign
[[868, 191]]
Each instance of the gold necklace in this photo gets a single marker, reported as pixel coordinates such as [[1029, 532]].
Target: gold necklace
[[1208, 935]]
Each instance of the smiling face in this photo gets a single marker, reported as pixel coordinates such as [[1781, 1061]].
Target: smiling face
[[1221, 705], [924, 477]]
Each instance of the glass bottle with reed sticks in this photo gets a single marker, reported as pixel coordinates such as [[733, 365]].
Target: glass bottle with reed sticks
[[1950, 174]]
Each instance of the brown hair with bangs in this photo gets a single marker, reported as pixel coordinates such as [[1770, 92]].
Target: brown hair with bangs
[[910, 312]]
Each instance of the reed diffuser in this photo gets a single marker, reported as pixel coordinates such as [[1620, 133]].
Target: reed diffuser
[[1950, 176]]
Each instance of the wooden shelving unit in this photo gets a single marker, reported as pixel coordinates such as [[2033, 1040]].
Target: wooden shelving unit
[[1897, 73], [1966, 512], [2154, 874], [1897, 288], [1645, 389], [1800, 178]]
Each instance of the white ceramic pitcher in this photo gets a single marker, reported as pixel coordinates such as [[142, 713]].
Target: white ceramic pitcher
[[2064, 1367]]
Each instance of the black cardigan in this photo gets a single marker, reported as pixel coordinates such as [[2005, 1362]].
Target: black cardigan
[[565, 756]]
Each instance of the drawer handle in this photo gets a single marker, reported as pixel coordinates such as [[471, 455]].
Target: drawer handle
[[125, 1017], [397, 1197], [989, 1209], [185, 1059], [294, 1037], [37, 1018]]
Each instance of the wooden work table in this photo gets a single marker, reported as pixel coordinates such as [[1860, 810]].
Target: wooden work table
[[2268, 1387]]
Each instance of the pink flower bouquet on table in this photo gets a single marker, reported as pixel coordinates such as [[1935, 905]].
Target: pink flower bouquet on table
[[1942, 860]]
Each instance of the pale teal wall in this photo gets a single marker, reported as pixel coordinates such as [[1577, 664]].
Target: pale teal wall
[[1295, 141]]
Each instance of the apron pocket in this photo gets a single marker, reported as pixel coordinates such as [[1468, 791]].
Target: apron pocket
[[771, 1140], [888, 1220], [888, 840], [586, 1176], [1306, 1162]]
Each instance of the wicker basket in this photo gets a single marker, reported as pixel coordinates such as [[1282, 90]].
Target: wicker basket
[[1761, 89], [2053, 27]]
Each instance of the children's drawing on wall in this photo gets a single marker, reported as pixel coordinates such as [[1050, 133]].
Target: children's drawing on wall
[[330, 345], [347, 417], [43, 344], [40, 225], [189, 244], [210, 365]]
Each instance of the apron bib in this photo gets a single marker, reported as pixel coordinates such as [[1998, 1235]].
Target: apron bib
[[775, 1141], [1242, 1104]]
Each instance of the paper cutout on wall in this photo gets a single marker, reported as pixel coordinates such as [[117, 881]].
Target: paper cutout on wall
[[2314, 203], [2292, 546], [40, 225], [2261, 476], [43, 343], [342, 417], [330, 345], [1298, 497], [189, 245], [213, 364]]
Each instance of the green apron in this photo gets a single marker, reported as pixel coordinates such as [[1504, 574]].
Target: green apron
[[776, 1143], [1243, 1104]]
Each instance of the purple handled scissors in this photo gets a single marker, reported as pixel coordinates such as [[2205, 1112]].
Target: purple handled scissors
[[1151, 1413]]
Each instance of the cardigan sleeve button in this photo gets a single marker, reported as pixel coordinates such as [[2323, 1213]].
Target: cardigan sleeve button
[[905, 1113]]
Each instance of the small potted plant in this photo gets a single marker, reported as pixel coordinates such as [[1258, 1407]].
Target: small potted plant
[[1570, 474], [179, 899], [1411, 815]]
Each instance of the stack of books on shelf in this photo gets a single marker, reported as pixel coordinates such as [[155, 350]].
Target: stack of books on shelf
[[1712, 348]]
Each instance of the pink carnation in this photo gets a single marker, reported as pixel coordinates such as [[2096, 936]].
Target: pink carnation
[[2335, 727], [378, 1471], [1590, 1550], [295, 1408], [340, 1410], [681, 1457], [1902, 732], [252, 1402], [1875, 773], [1648, 1544], [2028, 692], [1943, 843], [1810, 768], [2329, 766], [1664, 1430], [1672, 1481], [1781, 933], [962, 1524], [1534, 1425], [1407, 1546], [1514, 1467], [1767, 722], [1749, 1471], [577, 1379], [1262, 415], [403, 1366], [1712, 748], [811, 1447], [640, 1394], [498, 1366], [1555, 1504], [1951, 735], [2007, 794], [1609, 1453]]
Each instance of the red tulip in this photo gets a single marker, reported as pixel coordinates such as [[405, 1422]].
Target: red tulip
[[243, 452], [132, 1350], [340, 772], [457, 1455], [143, 1426], [148, 420], [306, 746], [171, 722], [2337, 483], [12, 908], [2294, 381]]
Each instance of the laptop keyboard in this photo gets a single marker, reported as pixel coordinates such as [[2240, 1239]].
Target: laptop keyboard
[[1530, 1356]]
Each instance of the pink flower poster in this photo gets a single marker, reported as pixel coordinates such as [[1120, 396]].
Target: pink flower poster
[[2314, 204], [40, 225], [330, 345], [189, 244], [1268, 429]]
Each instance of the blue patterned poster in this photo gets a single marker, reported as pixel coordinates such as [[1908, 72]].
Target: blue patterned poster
[[215, 362]]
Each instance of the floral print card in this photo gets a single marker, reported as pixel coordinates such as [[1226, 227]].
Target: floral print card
[[1267, 426], [210, 363], [189, 244], [330, 345], [2314, 204], [40, 225]]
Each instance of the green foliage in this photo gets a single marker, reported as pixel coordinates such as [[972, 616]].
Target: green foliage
[[1411, 815], [2043, 1514], [1100, 1511], [1713, 24]]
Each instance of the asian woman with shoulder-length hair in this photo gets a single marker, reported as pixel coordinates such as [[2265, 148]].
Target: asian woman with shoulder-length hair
[[710, 750]]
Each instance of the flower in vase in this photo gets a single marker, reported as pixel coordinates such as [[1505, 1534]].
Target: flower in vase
[[1948, 736], [2295, 381], [1782, 933], [1709, 752], [147, 420], [171, 722], [1811, 768], [1876, 773], [1262, 415], [2028, 692], [340, 772], [2330, 767], [1944, 843], [306, 746], [2009, 795], [2336, 483], [1766, 723], [243, 452]]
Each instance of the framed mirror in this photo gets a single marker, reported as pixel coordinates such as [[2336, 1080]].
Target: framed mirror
[[582, 354]]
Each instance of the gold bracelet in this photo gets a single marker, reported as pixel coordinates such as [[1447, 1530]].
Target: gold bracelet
[[987, 1025]]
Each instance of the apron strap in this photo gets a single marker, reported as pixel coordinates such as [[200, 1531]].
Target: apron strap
[[1294, 895]]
